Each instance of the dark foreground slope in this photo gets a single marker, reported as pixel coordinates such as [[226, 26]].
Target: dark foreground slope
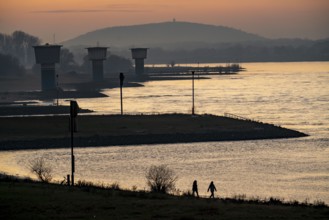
[[107, 130], [28, 200]]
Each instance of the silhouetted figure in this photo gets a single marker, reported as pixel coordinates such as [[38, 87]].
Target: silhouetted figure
[[212, 189], [195, 188]]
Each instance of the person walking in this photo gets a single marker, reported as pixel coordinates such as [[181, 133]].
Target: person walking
[[195, 188], [212, 189]]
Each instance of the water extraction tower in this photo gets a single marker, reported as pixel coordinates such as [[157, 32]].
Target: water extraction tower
[[139, 54], [97, 55], [47, 55]]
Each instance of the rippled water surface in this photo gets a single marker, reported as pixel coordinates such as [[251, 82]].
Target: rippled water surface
[[294, 95]]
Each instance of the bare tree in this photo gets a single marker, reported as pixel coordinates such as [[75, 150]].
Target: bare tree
[[161, 179], [42, 170]]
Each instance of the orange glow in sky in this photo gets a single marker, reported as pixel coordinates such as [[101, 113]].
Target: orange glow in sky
[[69, 18]]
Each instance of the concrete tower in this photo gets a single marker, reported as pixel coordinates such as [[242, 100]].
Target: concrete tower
[[139, 54], [97, 55], [47, 55]]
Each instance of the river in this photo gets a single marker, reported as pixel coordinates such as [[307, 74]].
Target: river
[[293, 95]]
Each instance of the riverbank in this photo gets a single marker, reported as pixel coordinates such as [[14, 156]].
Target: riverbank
[[112, 130], [28, 199], [27, 88]]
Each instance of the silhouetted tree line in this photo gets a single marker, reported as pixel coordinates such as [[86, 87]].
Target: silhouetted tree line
[[255, 52], [19, 44], [10, 65], [16, 51]]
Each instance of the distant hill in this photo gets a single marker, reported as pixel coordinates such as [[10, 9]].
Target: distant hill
[[169, 35], [184, 42]]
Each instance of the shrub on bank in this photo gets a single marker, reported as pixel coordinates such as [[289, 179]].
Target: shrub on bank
[[161, 179]]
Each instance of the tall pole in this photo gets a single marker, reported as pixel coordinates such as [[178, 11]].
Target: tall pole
[[122, 77], [192, 92], [57, 87], [121, 100], [74, 108], [72, 153]]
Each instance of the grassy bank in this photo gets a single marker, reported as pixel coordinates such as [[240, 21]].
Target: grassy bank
[[32, 200], [106, 130]]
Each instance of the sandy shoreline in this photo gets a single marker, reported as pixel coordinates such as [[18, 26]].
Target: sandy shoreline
[[18, 133]]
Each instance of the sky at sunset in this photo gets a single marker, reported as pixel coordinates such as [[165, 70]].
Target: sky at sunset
[[69, 18]]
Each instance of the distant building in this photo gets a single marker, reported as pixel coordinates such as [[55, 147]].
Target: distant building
[[47, 55], [139, 55]]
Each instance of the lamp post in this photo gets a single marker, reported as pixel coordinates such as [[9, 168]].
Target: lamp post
[[192, 92], [122, 77]]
